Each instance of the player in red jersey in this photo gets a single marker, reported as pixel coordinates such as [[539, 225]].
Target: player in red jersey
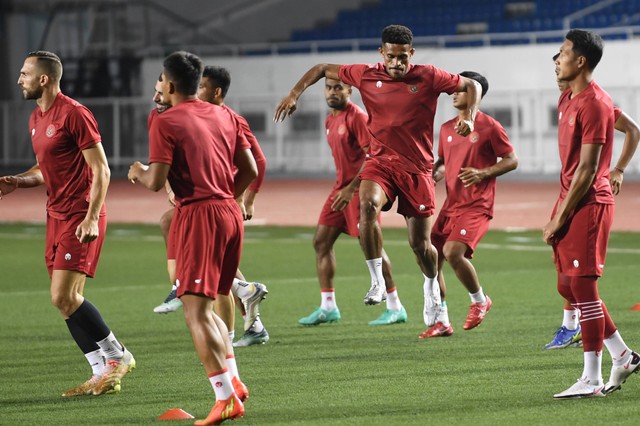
[[401, 100], [213, 88], [197, 146], [569, 333], [348, 138], [470, 167], [72, 164], [581, 219]]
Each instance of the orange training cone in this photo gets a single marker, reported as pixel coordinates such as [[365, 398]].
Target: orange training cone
[[636, 307], [175, 414]]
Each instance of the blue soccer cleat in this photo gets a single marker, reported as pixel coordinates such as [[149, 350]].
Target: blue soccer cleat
[[565, 338]]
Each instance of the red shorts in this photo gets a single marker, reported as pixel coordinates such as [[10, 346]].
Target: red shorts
[[64, 252], [348, 219], [580, 247], [171, 241], [468, 228], [415, 192], [208, 241]]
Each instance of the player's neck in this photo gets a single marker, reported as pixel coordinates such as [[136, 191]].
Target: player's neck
[[48, 97], [579, 84], [178, 98]]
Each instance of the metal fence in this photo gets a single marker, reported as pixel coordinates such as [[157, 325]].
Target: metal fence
[[298, 145]]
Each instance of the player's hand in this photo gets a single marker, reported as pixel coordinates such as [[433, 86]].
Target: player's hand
[[464, 127], [8, 184], [341, 199], [470, 176], [87, 231], [249, 210], [135, 170], [550, 229], [615, 179], [287, 106], [243, 209]]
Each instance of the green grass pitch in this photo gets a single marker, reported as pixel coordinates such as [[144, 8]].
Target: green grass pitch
[[347, 373]]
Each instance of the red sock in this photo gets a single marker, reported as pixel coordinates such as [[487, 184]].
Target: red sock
[[592, 318]]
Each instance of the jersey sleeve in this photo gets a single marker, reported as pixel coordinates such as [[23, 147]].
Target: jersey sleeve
[[82, 125], [617, 112], [444, 81], [593, 119], [500, 141], [359, 129], [352, 74], [161, 142], [256, 151]]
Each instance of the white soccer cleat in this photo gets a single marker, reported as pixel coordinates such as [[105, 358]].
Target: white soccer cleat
[[376, 294], [252, 304], [432, 302], [620, 374], [582, 389]]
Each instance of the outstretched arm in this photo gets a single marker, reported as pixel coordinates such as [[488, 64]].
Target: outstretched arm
[[95, 157], [29, 179], [631, 132], [153, 176], [464, 126], [288, 104]]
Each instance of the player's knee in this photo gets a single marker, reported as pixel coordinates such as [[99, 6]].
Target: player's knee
[[369, 208]]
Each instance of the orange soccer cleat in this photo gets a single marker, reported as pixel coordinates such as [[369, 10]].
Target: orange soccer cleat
[[225, 409]]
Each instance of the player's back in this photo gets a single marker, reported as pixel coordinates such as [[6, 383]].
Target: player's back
[[203, 139]]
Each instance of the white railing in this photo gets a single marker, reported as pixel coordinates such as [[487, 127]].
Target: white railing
[[295, 151]]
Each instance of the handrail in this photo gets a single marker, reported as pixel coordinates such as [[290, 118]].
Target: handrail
[[566, 21]]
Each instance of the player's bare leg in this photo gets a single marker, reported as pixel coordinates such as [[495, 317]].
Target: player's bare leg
[[372, 198], [454, 252]]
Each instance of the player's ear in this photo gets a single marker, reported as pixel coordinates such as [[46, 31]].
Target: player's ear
[[172, 88], [218, 92], [44, 79]]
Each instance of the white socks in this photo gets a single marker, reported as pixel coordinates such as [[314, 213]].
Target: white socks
[[112, 349], [478, 297], [242, 289], [592, 368], [618, 350], [221, 384], [97, 360], [431, 287], [570, 319], [328, 302], [393, 301], [375, 270]]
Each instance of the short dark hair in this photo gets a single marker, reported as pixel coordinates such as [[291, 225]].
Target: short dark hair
[[48, 62], [479, 78], [184, 70], [587, 44], [397, 34], [220, 76]]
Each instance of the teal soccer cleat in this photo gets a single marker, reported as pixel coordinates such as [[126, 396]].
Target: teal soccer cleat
[[320, 316], [390, 317]]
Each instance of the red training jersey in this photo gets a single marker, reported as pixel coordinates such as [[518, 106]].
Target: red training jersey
[[585, 119], [480, 149], [59, 135], [198, 140], [348, 137], [256, 151], [401, 111]]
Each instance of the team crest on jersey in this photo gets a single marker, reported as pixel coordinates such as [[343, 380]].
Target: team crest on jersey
[[378, 84], [413, 88], [572, 120], [449, 138], [51, 131], [474, 137], [342, 129]]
